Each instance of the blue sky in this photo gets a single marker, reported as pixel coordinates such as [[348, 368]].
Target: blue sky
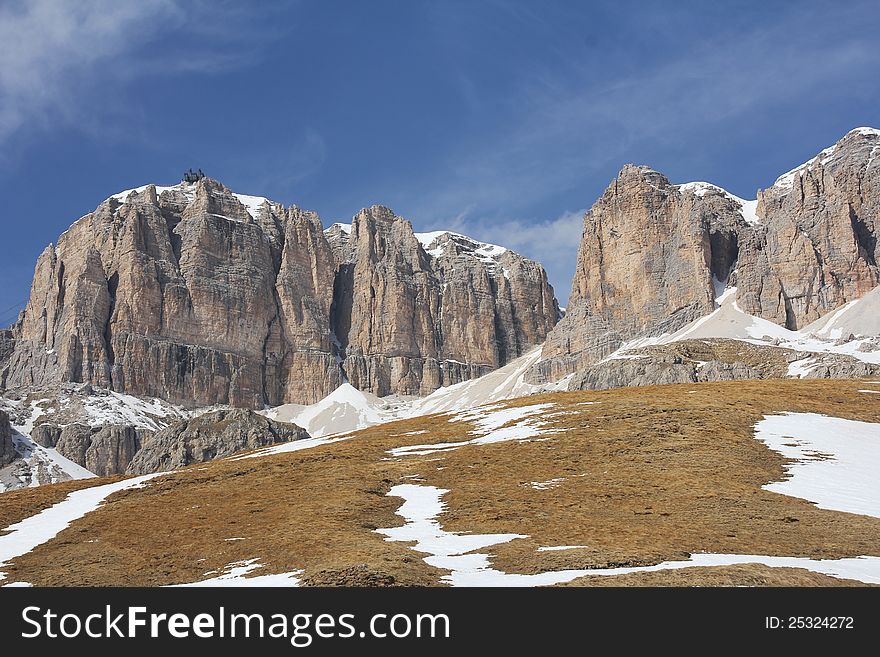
[[503, 120]]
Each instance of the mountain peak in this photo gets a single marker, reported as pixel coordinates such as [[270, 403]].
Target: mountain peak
[[851, 143]]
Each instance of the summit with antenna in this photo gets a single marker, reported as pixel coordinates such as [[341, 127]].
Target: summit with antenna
[[191, 176]]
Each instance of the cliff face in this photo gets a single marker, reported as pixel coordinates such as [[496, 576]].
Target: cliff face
[[648, 256], [652, 253], [416, 312], [198, 295], [817, 246]]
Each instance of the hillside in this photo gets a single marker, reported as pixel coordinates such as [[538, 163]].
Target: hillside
[[654, 485]]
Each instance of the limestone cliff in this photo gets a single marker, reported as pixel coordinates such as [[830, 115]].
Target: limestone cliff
[[654, 255], [197, 295]]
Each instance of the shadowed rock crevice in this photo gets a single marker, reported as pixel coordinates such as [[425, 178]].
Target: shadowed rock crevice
[[866, 240], [724, 249]]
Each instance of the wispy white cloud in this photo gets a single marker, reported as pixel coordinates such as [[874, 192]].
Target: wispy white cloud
[[60, 59], [570, 128]]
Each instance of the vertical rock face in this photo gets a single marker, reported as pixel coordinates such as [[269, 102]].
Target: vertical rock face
[[417, 311], [817, 247], [7, 447], [652, 253], [301, 362], [646, 264], [198, 295]]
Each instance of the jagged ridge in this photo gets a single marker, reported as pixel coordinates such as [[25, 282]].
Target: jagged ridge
[[198, 295]]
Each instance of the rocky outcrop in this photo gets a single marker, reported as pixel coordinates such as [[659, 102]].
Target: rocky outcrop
[[46, 435], [102, 450], [7, 344], [197, 295], [695, 361], [7, 448], [209, 436], [112, 449], [654, 255], [416, 312], [74, 441]]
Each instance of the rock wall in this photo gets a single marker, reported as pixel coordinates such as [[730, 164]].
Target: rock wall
[[816, 248], [197, 295], [653, 253]]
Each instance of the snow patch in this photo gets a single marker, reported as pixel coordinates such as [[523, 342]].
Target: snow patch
[[292, 446], [748, 209], [234, 575], [546, 485], [435, 243], [253, 204], [836, 460], [345, 228], [455, 552], [489, 428], [559, 548], [343, 410], [24, 536], [800, 368]]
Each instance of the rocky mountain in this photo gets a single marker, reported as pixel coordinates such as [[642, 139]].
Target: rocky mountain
[[197, 295], [655, 256]]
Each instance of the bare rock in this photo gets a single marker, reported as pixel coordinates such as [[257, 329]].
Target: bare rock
[[694, 361], [102, 450], [816, 248], [209, 436], [190, 295], [111, 449], [645, 266], [632, 372], [46, 435], [8, 452], [652, 252]]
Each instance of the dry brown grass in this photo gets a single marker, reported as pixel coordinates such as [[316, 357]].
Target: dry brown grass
[[650, 474], [19, 504]]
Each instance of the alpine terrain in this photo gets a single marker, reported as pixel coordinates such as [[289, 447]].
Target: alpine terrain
[[208, 388]]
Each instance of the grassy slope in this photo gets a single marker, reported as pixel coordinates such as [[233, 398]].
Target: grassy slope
[[650, 474]]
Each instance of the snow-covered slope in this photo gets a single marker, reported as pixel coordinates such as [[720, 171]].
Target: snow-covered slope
[[860, 319], [347, 409], [343, 410], [38, 465], [436, 242], [786, 180], [748, 209], [504, 383]]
